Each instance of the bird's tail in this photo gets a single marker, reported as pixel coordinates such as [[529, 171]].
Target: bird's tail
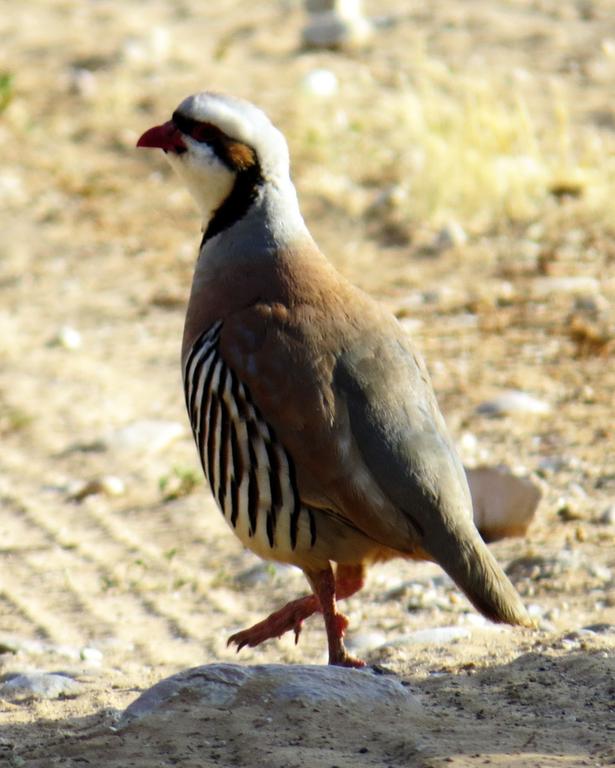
[[462, 553]]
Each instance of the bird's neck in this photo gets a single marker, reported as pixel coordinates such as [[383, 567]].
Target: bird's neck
[[251, 260]]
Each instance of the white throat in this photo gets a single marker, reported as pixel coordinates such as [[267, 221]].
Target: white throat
[[208, 180]]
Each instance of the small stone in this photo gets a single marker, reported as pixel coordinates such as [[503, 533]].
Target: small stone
[[91, 655], [336, 24], [431, 636], [568, 511], [452, 235], [83, 82], [150, 435], [600, 629], [553, 464], [39, 685], [542, 287], [512, 402], [12, 188], [67, 338], [261, 573], [320, 82], [363, 643], [608, 515], [601, 572], [504, 504], [580, 534], [534, 611], [109, 485]]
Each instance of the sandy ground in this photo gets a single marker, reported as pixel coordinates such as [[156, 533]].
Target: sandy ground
[[512, 161]]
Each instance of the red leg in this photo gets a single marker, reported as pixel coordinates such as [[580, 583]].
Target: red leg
[[324, 586], [348, 580], [291, 616]]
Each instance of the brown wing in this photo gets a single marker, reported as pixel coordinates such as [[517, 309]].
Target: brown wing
[[353, 406]]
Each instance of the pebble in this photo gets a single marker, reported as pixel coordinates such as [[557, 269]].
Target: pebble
[[336, 24], [452, 235], [567, 511], [591, 305], [39, 685], [513, 401], [150, 435], [321, 82], [553, 464], [504, 504], [108, 485], [433, 635], [91, 655], [542, 287], [364, 642], [261, 573], [67, 338], [608, 515], [83, 82], [601, 572], [12, 188]]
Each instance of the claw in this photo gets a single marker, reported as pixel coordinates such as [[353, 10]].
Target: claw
[[297, 630], [290, 617]]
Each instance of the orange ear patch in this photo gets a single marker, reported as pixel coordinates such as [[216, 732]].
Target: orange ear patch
[[240, 156]]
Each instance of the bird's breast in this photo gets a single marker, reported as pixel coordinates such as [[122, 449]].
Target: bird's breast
[[251, 475]]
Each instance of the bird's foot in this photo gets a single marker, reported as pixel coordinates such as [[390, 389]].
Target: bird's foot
[[338, 655], [290, 617], [344, 659]]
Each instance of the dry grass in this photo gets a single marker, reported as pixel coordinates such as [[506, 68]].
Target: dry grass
[[445, 146]]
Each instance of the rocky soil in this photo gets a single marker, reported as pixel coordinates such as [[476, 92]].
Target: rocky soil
[[461, 167]]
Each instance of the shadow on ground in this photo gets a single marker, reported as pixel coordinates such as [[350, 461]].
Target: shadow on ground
[[540, 709]]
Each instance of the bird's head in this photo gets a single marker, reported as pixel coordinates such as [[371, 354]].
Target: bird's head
[[224, 149]]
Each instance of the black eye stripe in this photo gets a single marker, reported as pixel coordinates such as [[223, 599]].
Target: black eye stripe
[[234, 154], [203, 132]]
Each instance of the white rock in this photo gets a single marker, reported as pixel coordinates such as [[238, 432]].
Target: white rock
[[452, 235], [321, 82], [39, 685], [150, 435], [504, 504], [91, 655], [68, 338], [432, 636], [83, 82], [543, 287], [513, 401], [332, 29], [109, 485], [362, 643], [12, 189]]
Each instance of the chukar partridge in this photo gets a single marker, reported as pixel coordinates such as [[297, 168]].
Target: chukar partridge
[[313, 414]]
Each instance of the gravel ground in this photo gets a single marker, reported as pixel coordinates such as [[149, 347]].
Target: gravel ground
[[463, 171]]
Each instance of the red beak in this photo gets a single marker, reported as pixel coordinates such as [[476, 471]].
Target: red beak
[[166, 136]]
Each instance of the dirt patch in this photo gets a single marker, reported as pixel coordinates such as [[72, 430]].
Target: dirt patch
[[464, 173]]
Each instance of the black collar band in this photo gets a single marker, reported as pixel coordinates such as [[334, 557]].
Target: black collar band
[[238, 202]]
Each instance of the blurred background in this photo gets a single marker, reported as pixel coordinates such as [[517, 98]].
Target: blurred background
[[455, 159]]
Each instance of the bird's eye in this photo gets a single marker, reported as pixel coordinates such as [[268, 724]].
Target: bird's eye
[[207, 133], [202, 132]]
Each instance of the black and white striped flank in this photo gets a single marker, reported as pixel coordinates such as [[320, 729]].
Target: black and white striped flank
[[251, 475]]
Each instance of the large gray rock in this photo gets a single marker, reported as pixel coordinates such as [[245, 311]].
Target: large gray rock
[[261, 715], [232, 685]]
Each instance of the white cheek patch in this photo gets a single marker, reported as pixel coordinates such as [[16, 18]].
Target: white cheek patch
[[208, 179]]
